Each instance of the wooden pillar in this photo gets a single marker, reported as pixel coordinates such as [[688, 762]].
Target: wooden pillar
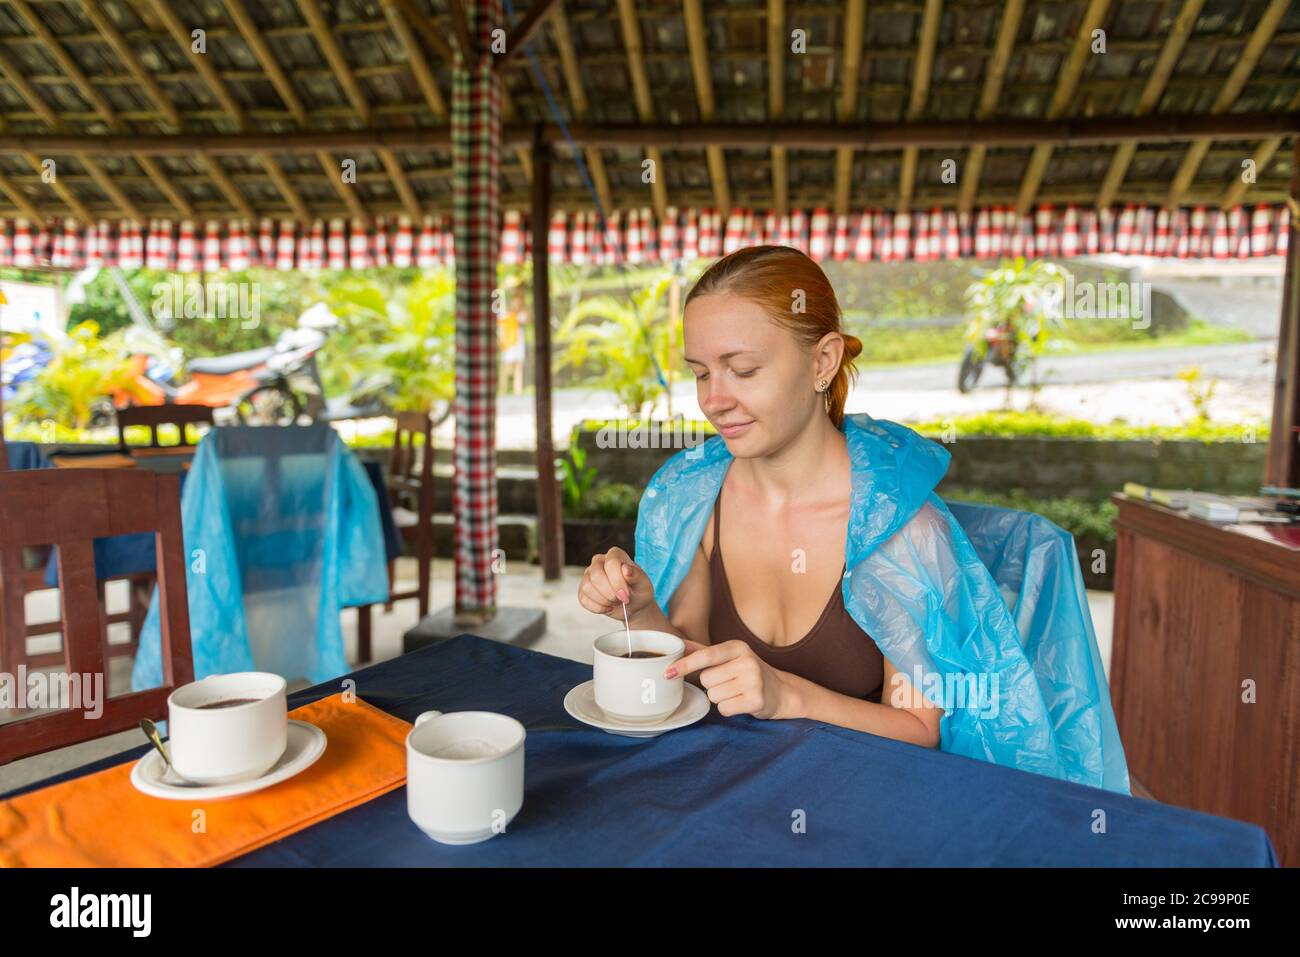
[[476, 152], [548, 489], [1283, 451]]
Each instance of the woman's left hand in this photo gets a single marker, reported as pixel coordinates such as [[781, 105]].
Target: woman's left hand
[[738, 681]]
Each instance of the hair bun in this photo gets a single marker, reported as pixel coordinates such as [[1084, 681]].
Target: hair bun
[[852, 345]]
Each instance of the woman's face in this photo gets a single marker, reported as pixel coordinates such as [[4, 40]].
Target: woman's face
[[753, 377]]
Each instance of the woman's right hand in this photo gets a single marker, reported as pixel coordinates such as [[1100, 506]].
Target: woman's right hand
[[612, 580]]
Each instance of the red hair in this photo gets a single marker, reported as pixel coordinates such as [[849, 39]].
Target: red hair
[[772, 277]]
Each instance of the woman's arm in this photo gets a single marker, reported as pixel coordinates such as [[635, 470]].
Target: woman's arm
[[903, 714]]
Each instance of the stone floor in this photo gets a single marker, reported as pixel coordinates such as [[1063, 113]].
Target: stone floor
[[570, 632]]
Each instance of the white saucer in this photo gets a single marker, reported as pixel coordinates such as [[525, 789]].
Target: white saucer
[[581, 704], [306, 744]]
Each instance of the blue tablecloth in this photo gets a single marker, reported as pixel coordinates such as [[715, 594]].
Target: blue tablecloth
[[725, 791]]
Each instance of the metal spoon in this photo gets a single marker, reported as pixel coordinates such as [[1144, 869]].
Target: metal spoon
[[151, 732]]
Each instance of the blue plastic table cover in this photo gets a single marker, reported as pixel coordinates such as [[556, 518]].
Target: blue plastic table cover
[[1012, 659], [282, 531], [726, 790]]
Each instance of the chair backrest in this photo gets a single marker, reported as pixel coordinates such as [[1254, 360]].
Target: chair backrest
[[152, 416], [70, 509], [410, 425]]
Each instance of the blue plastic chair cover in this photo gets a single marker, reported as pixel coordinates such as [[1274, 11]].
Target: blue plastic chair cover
[[26, 455], [1024, 688], [282, 531]]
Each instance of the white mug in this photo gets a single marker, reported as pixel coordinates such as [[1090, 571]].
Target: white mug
[[223, 745], [464, 774], [634, 690]]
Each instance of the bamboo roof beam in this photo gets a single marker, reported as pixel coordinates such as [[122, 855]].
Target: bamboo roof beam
[[329, 47], [343, 71], [60, 188], [424, 26], [248, 30], [1262, 156], [578, 96], [28, 92], [106, 182], [1066, 85], [1241, 71], [50, 43], [330, 167], [776, 38], [877, 137], [21, 202], [410, 201], [156, 175], [994, 77], [854, 25], [631, 28], [228, 189], [697, 44], [252, 35], [1152, 91], [920, 93], [79, 80], [527, 26], [109, 32], [460, 31], [201, 62], [416, 60]]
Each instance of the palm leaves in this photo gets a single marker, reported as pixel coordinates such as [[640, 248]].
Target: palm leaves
[[626, 341]]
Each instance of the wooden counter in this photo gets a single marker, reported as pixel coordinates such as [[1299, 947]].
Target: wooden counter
[[1201, 609]]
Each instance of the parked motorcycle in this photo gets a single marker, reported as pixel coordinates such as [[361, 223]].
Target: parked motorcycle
[[996, 344], [278, 384]]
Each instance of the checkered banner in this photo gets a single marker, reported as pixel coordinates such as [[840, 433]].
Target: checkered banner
[[636, 236], [475, 147]]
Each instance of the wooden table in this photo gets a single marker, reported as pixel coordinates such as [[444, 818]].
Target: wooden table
[[1207, 615]]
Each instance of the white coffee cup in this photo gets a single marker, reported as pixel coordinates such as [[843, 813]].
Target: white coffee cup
[[464, 774], [634, 690], [237, 743]]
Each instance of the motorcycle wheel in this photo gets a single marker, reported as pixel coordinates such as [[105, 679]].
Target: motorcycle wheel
[[269, 405], [969, 373]]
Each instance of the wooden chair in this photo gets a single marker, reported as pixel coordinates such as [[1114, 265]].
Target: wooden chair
[[32, 579], [69, 509], [152, 416], [408, 485]]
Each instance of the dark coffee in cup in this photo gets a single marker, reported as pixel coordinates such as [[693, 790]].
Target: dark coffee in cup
[[228, 703], [642, 654]]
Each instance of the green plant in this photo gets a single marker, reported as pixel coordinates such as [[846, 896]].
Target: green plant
[[1004, 424], [611, 501], [578, 477], [1081, 518], [85, 367], [390, 328], [1199, 391], [627, 343]]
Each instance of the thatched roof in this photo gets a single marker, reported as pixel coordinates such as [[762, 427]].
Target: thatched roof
[[135, 122]]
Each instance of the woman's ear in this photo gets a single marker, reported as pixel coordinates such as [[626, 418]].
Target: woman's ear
[[829, 355]]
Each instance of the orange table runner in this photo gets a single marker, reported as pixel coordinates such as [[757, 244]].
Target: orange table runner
[[101, 820]]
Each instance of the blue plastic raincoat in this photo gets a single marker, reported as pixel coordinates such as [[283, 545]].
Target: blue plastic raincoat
[[282, 531], [1023, 688]]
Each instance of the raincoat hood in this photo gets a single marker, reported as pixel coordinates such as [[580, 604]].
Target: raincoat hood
[[1022, 688]]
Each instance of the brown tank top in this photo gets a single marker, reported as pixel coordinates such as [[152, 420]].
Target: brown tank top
[[836, 654]]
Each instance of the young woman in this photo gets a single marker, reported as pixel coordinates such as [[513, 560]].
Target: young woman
[[761, 608], [805, 561]]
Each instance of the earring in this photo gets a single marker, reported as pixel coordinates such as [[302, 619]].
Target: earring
[[821, 385]]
